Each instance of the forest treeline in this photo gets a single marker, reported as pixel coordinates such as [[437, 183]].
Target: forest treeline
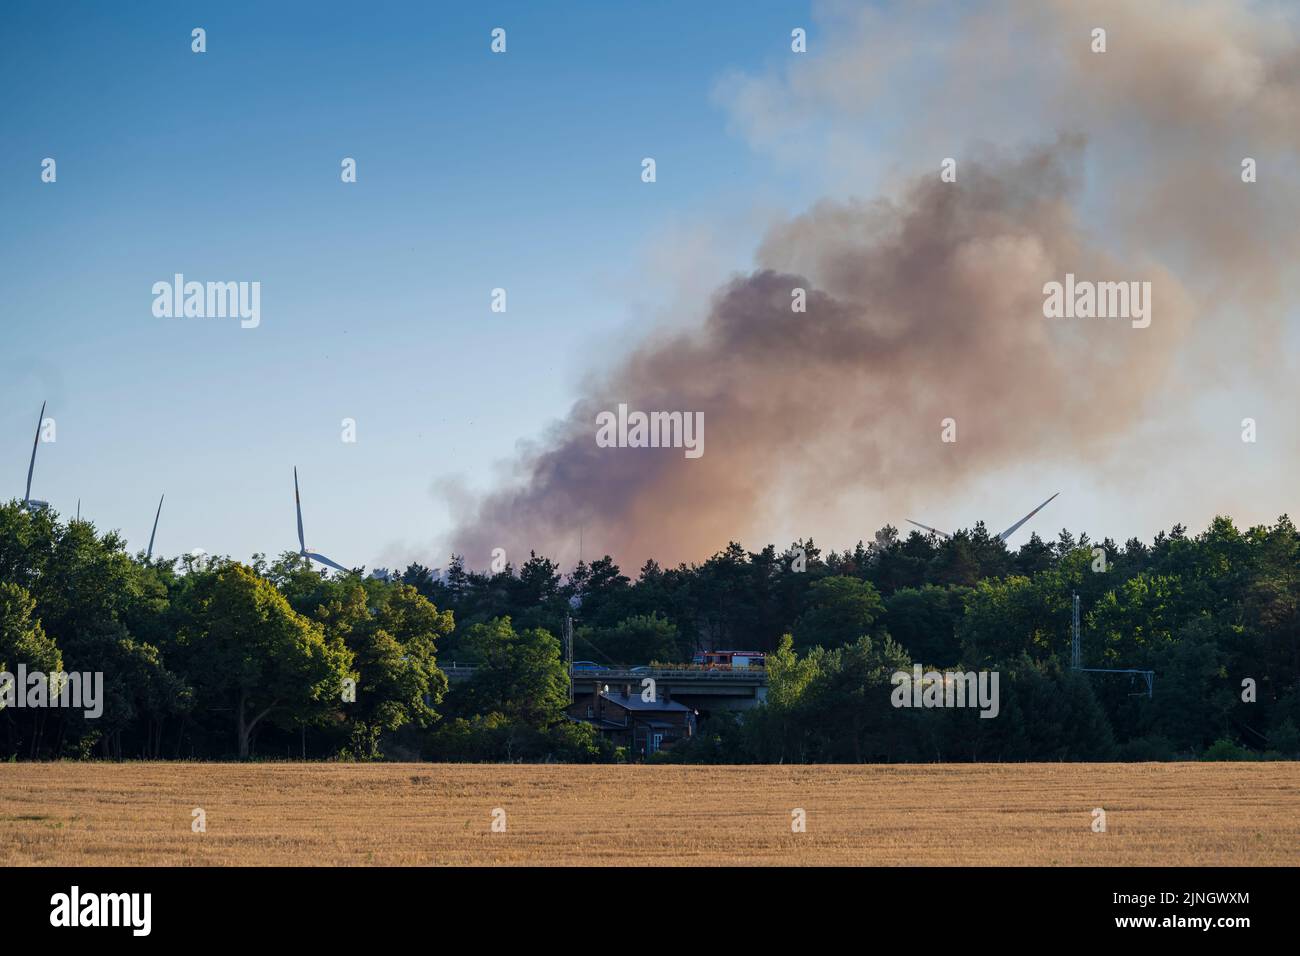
[[217, 659]]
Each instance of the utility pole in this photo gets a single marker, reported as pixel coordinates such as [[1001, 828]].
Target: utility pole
[[1076, 650], [568, 651]]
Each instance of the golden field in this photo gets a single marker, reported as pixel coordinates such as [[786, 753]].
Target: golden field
[[441, 814]]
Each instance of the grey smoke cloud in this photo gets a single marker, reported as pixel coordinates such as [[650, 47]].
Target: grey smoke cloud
[[925, 302]]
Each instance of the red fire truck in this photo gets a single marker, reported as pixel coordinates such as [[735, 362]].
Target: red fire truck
[[730, 660]]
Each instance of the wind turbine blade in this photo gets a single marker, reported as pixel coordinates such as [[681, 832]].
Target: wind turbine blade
[[1012, 530], [302, 542], [942, 534], [35, 441], [324, 560], [152, 534]]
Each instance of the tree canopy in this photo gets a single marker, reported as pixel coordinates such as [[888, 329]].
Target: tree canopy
[[221, 659]]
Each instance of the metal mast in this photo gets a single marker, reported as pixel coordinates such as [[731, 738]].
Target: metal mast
[[1076, 657], [1076, 652], [568, 651]]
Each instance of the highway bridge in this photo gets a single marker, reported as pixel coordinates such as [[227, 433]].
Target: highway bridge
[[706, 690]]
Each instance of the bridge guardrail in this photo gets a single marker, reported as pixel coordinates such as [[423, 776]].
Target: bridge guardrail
[[683, 672], [619, 673]]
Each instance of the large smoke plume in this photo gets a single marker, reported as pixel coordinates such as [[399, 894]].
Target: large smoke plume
[[926, 302]]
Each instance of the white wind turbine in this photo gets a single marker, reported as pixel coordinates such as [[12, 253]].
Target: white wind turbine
[[28, 501], [302, 542], [153, 534], [1003, 536]]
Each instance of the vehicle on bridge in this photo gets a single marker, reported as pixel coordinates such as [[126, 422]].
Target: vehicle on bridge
[[731, 660]]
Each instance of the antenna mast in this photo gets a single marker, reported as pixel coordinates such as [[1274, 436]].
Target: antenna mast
[[1076, 657], [1076, 652], [568, 651]]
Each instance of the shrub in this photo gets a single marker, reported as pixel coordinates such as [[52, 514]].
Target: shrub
[[1223, 749], [1152, 747]]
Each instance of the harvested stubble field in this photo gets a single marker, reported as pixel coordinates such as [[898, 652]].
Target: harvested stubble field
[[440, 814]]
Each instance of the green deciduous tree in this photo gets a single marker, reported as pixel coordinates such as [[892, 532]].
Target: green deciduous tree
[[392, 632], [840, 610], [253, 653], [520, 675]]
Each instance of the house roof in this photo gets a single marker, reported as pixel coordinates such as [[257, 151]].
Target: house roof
[[598, 722], [634, 703]]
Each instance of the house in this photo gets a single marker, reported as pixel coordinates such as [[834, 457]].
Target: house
[[642, 726]]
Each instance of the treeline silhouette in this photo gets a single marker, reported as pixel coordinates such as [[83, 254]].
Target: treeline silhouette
[[216, 659]]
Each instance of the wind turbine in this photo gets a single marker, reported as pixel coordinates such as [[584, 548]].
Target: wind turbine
[[1003, 536], [28, 500], [154, 532], [302, 543]]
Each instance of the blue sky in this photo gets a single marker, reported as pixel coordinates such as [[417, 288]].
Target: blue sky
[[474, 171]]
